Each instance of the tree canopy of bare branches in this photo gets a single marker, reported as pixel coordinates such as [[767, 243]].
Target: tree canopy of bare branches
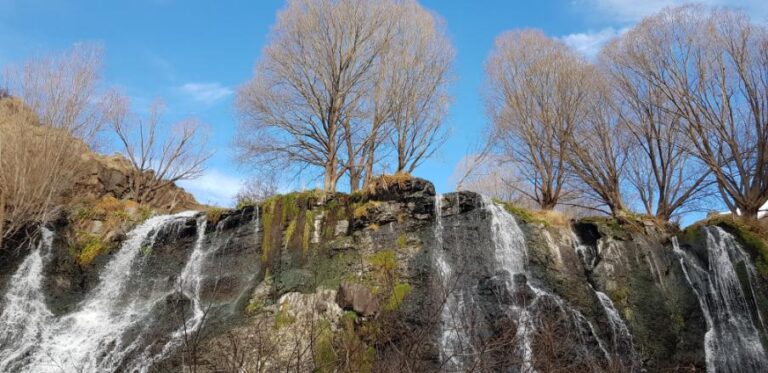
[[598, 148], [63, 90], [536, 95], [710, 68], [159, 159], [665, 175], [50, 109], [337, 80]]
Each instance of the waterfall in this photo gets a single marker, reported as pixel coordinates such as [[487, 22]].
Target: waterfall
[[620, 335], [621, 338], [452, 337], [25, 314], [106, 327], [732, 341], [189, 284], [511, 257]]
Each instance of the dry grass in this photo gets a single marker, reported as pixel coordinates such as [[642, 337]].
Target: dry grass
[[386, 182], [545, 217]]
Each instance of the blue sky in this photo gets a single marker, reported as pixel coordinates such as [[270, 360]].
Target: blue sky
[[194, 54]]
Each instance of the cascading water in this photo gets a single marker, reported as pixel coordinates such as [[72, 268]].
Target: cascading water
[[511, 256], [106, 327], [25, 314], [620, 335], [732, 341], [452, 337], [621, 338], [189, 284]]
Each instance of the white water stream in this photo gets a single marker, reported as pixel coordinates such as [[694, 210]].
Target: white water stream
[[104, 329], [732, 341]]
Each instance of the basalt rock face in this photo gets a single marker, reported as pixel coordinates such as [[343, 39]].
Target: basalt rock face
[[398, 279]]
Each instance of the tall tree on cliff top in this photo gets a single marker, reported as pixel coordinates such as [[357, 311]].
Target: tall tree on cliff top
[[712, 69], [537, 90], [323, 95]]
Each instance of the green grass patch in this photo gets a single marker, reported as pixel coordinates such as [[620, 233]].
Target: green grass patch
[[399, 292], [91, 246]]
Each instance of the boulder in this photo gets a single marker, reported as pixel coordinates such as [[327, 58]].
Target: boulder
[[358, 298]]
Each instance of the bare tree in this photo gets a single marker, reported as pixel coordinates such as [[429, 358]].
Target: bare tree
[[536, 97], [50, 103], [343, 84], [599, 147], [257, 190], [310, 81], [422, 58], [63, 90], [712, 68], [38, 165], [668, 179], [158, 159]]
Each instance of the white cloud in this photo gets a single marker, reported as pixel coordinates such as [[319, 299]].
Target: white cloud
[[207, 93], [214, 187], [589, 43], [634, 10]]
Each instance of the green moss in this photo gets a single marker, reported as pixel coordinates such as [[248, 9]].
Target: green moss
[[309, 219], [255, 306], [384, 261], [289, 231], [399, 292], [290, 207], [620, 297], [330, 271], [523, 215], [91, 246], [349, 315], [146, 250], [267, 217]]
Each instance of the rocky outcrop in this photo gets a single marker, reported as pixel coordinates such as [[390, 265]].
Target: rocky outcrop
[[111, 176]]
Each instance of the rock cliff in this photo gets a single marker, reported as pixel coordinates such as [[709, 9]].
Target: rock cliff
[[393, 279]]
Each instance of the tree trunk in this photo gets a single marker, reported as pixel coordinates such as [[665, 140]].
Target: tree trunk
[[330, 176], [750, 211], [369, 160]]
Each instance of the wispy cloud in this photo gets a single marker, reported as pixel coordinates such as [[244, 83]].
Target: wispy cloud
[[214, 187], [589, 43], [206, 93], [634, 10]]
